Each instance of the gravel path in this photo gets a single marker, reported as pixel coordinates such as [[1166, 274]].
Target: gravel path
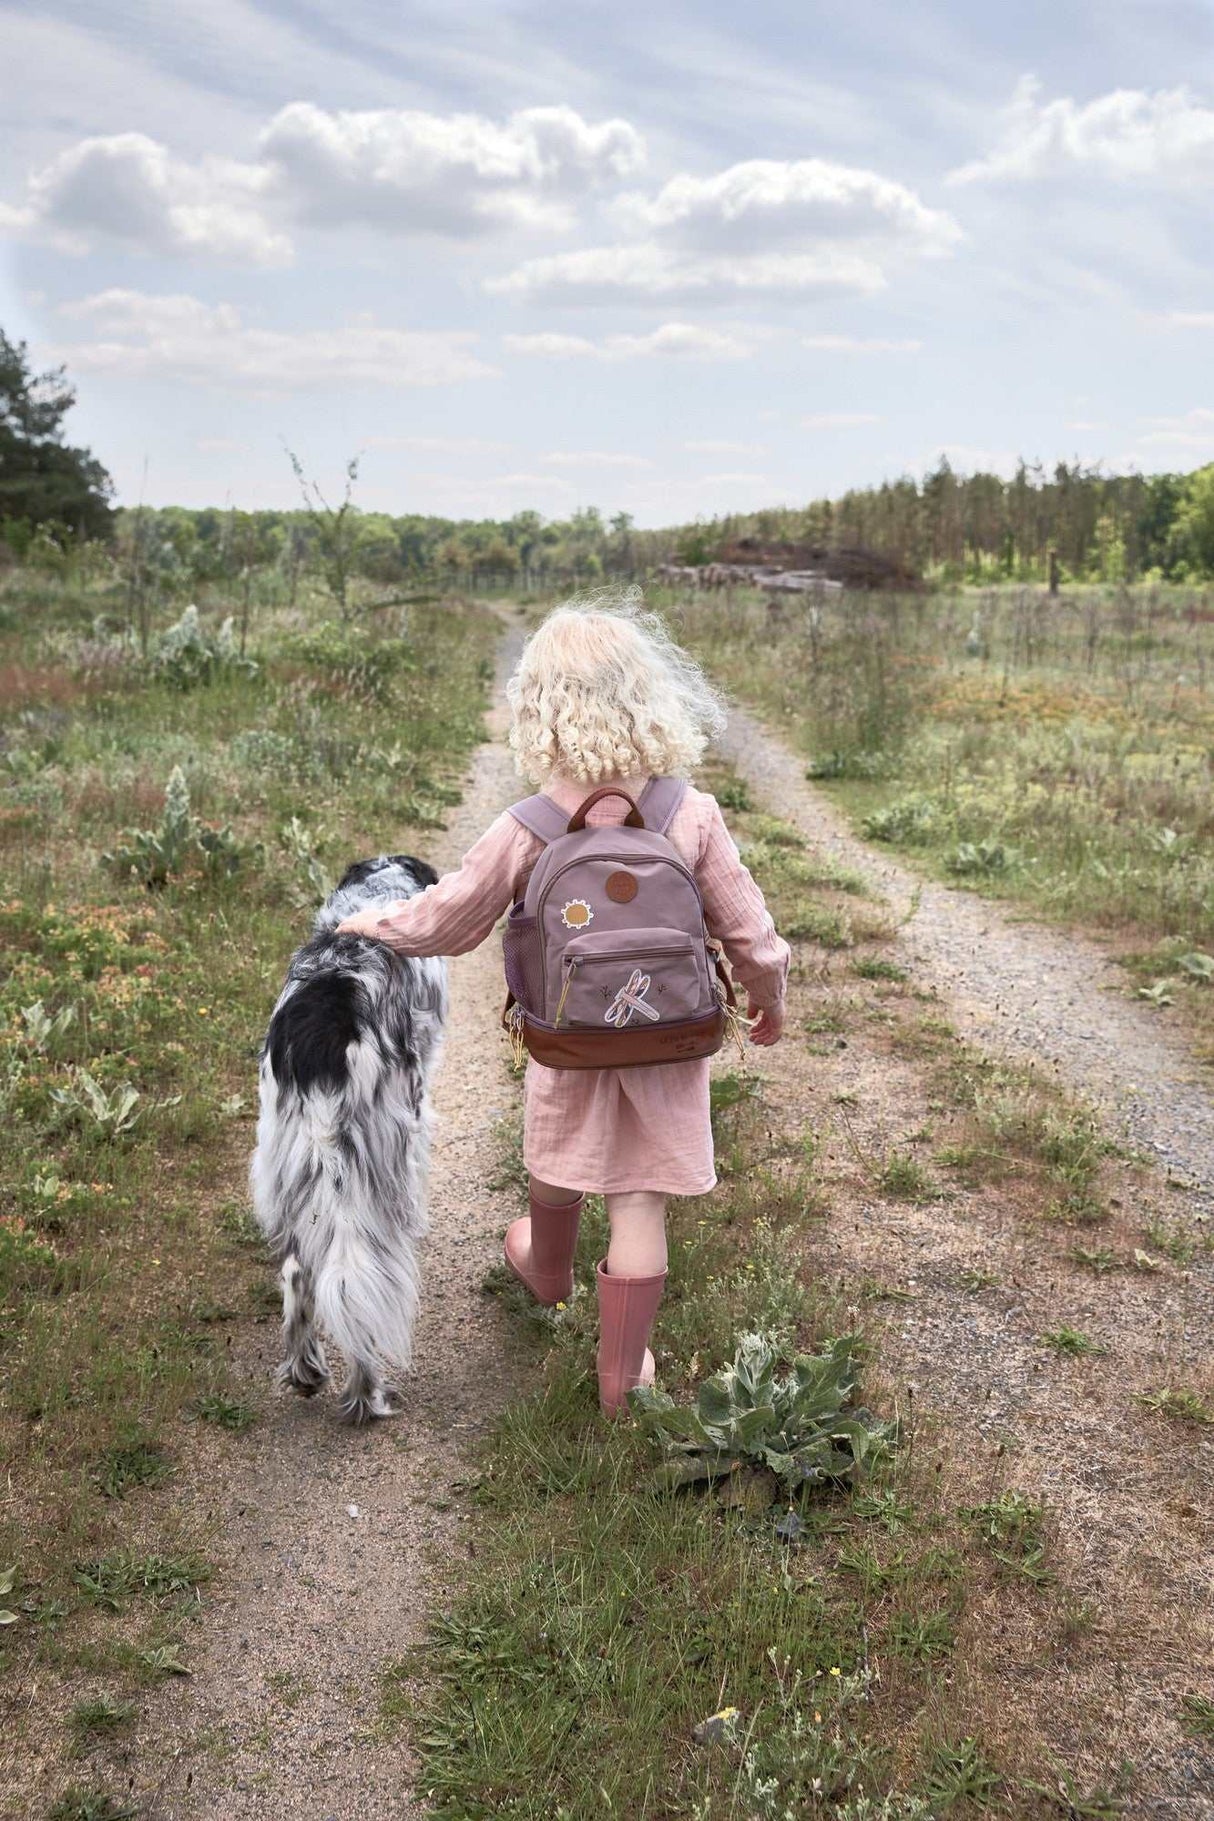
[[1054, 998], [335, 1546]]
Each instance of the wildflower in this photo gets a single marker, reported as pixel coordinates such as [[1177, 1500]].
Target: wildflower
[[561, 1305], [204, 1011], [836, 1671]]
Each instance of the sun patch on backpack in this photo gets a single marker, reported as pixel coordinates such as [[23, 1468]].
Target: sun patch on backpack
[[576, 914]]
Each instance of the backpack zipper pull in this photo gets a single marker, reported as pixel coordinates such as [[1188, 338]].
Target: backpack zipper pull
[[570, 965], [518, 1048]]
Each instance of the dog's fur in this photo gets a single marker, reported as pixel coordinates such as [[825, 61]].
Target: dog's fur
[[339, 1173]]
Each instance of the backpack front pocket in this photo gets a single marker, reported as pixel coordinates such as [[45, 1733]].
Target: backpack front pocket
[[631, 978]]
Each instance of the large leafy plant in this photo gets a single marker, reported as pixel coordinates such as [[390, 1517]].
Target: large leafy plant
[[794, 1416], [153, 855]]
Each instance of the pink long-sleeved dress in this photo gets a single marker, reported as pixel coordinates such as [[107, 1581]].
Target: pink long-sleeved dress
[[608, 1131]]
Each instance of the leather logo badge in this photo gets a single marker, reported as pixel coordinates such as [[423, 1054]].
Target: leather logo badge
[[621, 888]]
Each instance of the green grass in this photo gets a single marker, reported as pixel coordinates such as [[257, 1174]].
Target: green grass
[[1071, 1343], [1065, 769], [1179, 1402], [129, 1024]]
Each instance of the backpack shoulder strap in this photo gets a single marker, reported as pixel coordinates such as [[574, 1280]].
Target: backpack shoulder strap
[[542, 816], [659, 802]]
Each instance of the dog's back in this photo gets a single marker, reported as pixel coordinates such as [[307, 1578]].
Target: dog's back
[[338, 1176]]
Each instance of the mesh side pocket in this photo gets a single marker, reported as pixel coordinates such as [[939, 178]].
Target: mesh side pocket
[[524, 973]]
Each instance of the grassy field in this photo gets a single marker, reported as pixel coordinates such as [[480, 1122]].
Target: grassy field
[[1055, 752], [757, 1644], [167, 826]]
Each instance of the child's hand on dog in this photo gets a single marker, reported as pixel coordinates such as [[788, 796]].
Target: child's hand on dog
[[366, 923]]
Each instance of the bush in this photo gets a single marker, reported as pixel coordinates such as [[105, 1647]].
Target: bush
[[154, 855], [188, 653]]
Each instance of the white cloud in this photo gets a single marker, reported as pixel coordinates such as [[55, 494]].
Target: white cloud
[[401, 170], [858, 344], [449, 174], [839, 420], [129, 189], [1166, 136], [646, 270], [677, 339], [1189, 319], [181, 337], [716, 445], [1084, 423], [764, 226], [1193, 430], [220, 445], [765, 203], [594, 458]]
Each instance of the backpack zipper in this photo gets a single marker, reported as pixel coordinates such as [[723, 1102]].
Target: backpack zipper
[[571, 963]]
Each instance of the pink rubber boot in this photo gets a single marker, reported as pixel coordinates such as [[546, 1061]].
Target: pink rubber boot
[[540, 1246], [627, 1307]]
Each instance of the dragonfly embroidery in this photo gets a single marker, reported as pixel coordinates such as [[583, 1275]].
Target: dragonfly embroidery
[[630, 999]]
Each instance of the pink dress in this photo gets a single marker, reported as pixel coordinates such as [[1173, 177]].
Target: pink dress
[[608, 1131]]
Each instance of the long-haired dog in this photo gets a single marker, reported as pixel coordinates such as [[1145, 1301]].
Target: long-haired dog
[[339, 1173]]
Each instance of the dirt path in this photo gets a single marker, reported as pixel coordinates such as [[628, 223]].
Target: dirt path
[[335, 1546], [1054, 998]]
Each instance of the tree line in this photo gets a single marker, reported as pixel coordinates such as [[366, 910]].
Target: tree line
[[947, 526]]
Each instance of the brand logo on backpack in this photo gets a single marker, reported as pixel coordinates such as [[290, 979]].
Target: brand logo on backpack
[[630, 999], [576, 914]]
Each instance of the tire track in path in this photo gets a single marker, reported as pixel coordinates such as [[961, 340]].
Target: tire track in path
[[280, 1719], [1054, 998]]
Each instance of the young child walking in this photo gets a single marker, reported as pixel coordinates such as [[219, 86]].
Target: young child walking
[[603, 700]]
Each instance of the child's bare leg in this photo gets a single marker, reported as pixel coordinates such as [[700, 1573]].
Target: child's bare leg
[[638, 1234], [550, 1196]]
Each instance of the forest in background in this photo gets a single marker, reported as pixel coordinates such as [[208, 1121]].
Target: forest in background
[[56, 511]]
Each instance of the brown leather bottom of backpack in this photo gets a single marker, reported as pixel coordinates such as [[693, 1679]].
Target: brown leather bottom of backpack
[[637, 1048]]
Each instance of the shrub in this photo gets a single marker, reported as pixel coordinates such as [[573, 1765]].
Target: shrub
[[188, 653], [154, 855], [912, 820]]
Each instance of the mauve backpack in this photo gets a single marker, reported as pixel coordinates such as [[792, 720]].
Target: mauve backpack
[[608, 960]]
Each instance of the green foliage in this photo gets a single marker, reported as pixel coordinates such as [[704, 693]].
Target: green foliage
[[139, 1462], [80, 1804], [1072, 1343], [112, 1580], [189, 654], [226, 1413], [1012, 1528], [154, 855], [43, 481], [800, 1423], [981, 857], [912, 821]]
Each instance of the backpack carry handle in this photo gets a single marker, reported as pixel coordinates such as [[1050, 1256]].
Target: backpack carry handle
[[634, 818]]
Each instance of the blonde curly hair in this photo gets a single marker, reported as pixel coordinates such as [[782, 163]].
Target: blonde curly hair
[[602, 691]]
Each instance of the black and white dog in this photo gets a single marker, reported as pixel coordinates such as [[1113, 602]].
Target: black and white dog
[[339, 1173]]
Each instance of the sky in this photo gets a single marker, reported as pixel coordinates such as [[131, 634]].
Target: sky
[[669, 259]]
